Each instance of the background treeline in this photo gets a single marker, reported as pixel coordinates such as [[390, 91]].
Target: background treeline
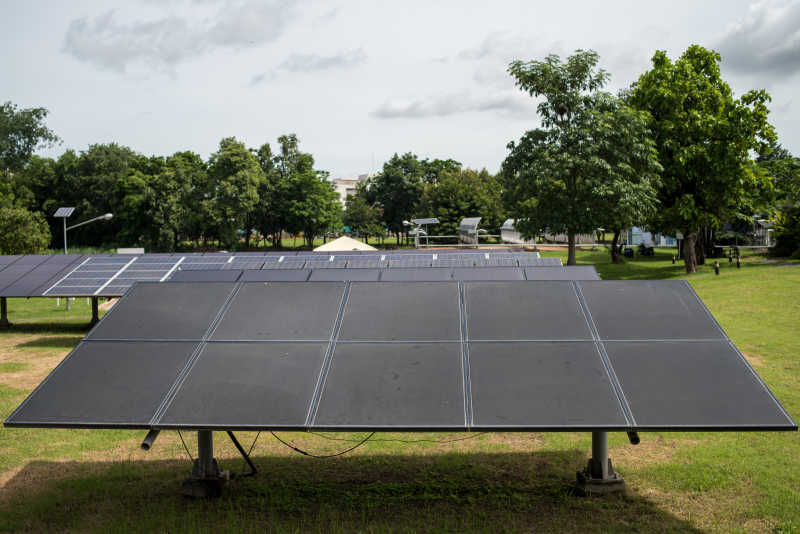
[[676, 152]]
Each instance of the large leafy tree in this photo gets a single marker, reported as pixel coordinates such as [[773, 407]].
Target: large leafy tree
[[460, 193], [703, 136], [362, 218], [784, 169], [22, 231], [22, 131], [235, 176], [590, 164], [396, 190]]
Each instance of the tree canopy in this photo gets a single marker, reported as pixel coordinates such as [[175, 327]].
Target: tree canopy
[[591, 164], [703, 136]]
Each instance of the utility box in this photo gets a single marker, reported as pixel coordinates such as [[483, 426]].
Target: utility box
[[468, 231]]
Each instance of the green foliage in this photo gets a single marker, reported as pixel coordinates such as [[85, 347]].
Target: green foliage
[[21, 132], [22, 231], [784, 169], [235, 176], [703, 136], [787, 232], [360, 216], [397, 189], [592, 164], [463, 193]]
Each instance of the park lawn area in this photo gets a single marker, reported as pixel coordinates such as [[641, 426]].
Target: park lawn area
[[100, 481]]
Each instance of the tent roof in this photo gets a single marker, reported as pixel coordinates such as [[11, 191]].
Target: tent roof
[[344, 244]]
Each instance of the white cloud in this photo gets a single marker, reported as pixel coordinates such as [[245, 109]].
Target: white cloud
[[165, 42], [455, 103], [312, 63], [765, 41]]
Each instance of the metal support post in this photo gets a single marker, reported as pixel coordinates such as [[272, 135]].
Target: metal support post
[[599, 476], [65, 233], [95, 312], [4, 323], [206, 479]]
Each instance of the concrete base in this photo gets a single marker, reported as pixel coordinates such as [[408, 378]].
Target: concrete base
[[201, 485], [588, 483]]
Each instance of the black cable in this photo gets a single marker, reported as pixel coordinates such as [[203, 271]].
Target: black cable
[[252, 445], [306, 453], [402, 440], [185, 447]]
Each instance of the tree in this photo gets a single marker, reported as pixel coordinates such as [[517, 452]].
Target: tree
[[22, 231], [235, 178], [396, 190], [21, 132], [463, 193], [784, 170], [592, 162], [360, 216], [703, 137], [315, 207]]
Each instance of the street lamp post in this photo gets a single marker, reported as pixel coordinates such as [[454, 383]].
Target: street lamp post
[[64, 213], [104, 217]]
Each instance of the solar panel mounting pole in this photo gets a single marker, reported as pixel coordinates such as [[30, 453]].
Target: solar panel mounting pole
[[206, 479], [599, 476], [4, 323]]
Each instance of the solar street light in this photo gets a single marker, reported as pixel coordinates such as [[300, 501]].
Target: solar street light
[[104, 217]]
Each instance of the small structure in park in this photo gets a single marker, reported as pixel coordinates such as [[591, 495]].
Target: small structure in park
[[468, 231], [344, 244]]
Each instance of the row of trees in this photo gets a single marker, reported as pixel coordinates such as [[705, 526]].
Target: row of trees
[[672, 152], [675, 152], [409, 187], [159, 202]]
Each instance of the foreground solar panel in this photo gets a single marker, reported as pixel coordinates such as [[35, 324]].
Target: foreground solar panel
[[571, 272], [548, 356]]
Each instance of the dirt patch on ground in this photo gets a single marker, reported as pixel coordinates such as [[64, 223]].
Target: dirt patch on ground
[[755, 361]]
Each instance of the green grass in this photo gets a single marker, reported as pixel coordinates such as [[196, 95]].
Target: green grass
[[98, 481]]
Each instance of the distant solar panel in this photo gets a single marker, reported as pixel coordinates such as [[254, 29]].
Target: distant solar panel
[[488, 273], [63, 212], [344, 275], [416, 260]]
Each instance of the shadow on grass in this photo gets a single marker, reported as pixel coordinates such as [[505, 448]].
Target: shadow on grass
[[59, 342], [75, 328], [453, 492]]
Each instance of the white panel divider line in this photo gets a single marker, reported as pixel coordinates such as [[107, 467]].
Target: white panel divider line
[[172, 270], [738, 352], [326, 362], [101, 288], [601, 350], [198, 350], [465, 367], [66, 275]]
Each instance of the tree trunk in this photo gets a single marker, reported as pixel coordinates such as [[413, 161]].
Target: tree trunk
[[699, 247], [615, 247], [689, 258], [247, 237], [398, 239], [571, 248]]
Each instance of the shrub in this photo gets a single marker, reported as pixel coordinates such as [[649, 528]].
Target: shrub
[[23, 231]]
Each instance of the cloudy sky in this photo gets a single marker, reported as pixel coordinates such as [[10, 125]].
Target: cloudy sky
[[356, 81]]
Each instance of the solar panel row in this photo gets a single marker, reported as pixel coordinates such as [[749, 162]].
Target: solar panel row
[[112, 275], [592, 355], [409, 274]]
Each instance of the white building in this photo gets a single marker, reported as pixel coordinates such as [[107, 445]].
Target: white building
[[347, 186]]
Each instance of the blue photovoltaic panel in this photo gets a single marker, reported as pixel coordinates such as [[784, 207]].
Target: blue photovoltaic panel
[[63, 212], [416, 260], [367, 262]]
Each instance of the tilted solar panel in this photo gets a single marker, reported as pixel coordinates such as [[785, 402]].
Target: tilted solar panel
[[407, 356]]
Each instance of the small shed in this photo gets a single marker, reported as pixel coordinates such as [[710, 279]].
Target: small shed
[[468, 230]]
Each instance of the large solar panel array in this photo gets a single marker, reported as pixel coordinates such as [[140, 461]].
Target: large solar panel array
[[110, 275], [519, 356]]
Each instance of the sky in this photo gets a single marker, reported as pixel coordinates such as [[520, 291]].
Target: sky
[[356, 81]]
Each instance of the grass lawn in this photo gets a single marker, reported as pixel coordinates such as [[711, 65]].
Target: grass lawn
[[100, 481]]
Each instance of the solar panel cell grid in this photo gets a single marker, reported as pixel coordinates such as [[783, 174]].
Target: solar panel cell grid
[[424, 356]]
